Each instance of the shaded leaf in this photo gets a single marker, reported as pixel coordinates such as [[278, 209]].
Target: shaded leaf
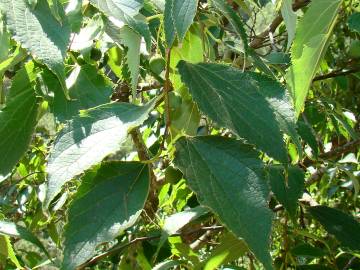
[[17, 120], [287, 186], [354, 22], [109, 200], [226, 176], [290, 20], [88, 139], [344, 227]]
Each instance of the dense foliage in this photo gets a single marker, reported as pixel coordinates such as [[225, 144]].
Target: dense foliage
[[179, 134]]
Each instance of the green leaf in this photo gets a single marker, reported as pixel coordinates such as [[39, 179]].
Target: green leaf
[[88, 139], [17, 121], [229, 249], [165, 265], [87, 89], [308, 136], [287, 186], [306, 250], [38, 32], [178, 16], [226, 176], [344, 227], [290, 19], [132, 40], [251, 105], [14, 230], [4, 41], [119, 9], [354, 22], [312, 34], [109, 200]]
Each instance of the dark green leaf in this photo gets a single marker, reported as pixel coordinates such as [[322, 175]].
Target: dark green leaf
[[251, 105], [354, 22], [108, 202], [306, 250], [226, 176], [344, 227], [287, 186], [17, 120]]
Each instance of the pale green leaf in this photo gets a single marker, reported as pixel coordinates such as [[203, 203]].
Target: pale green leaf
[[109, 200], [226, 176], [14, 230], [17, 121], [229, 249], [119, 9], [251, 105], [89, 138], [312, 34], [290, 19], [38, 32], [178, 17]]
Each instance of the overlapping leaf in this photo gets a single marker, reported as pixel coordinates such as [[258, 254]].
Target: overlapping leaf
[[39, 32], [89, 138], [109, 200], [226, 176], [253, 106], [312, 34]]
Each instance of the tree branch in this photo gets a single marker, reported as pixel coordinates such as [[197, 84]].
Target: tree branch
[[119, 248], [259, 39], [336, 73]]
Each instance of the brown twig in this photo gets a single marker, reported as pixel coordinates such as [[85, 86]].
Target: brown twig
[[258, 40], [336, 73]]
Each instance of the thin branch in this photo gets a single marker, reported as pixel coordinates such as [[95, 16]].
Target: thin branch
[[119, 248], [258, 40], [336, 73]]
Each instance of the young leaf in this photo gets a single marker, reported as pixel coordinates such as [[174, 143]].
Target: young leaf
[[251, 105], [312, 35], [14, 230], [178, 16], [39, 32], [226, 176], [109, 200], [287, 189], [17, 120], [88, 139], [344, 227]]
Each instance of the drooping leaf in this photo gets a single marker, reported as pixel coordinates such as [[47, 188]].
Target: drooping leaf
[[108, 201], [249, 104], [308, 136], [14, 230], [17, 120], [287, 186], [88, 139], [74, 14], [226, 176], [178, 16], [39, 32], [312, 34], [86, 87], [343, 226], [229, 249]]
